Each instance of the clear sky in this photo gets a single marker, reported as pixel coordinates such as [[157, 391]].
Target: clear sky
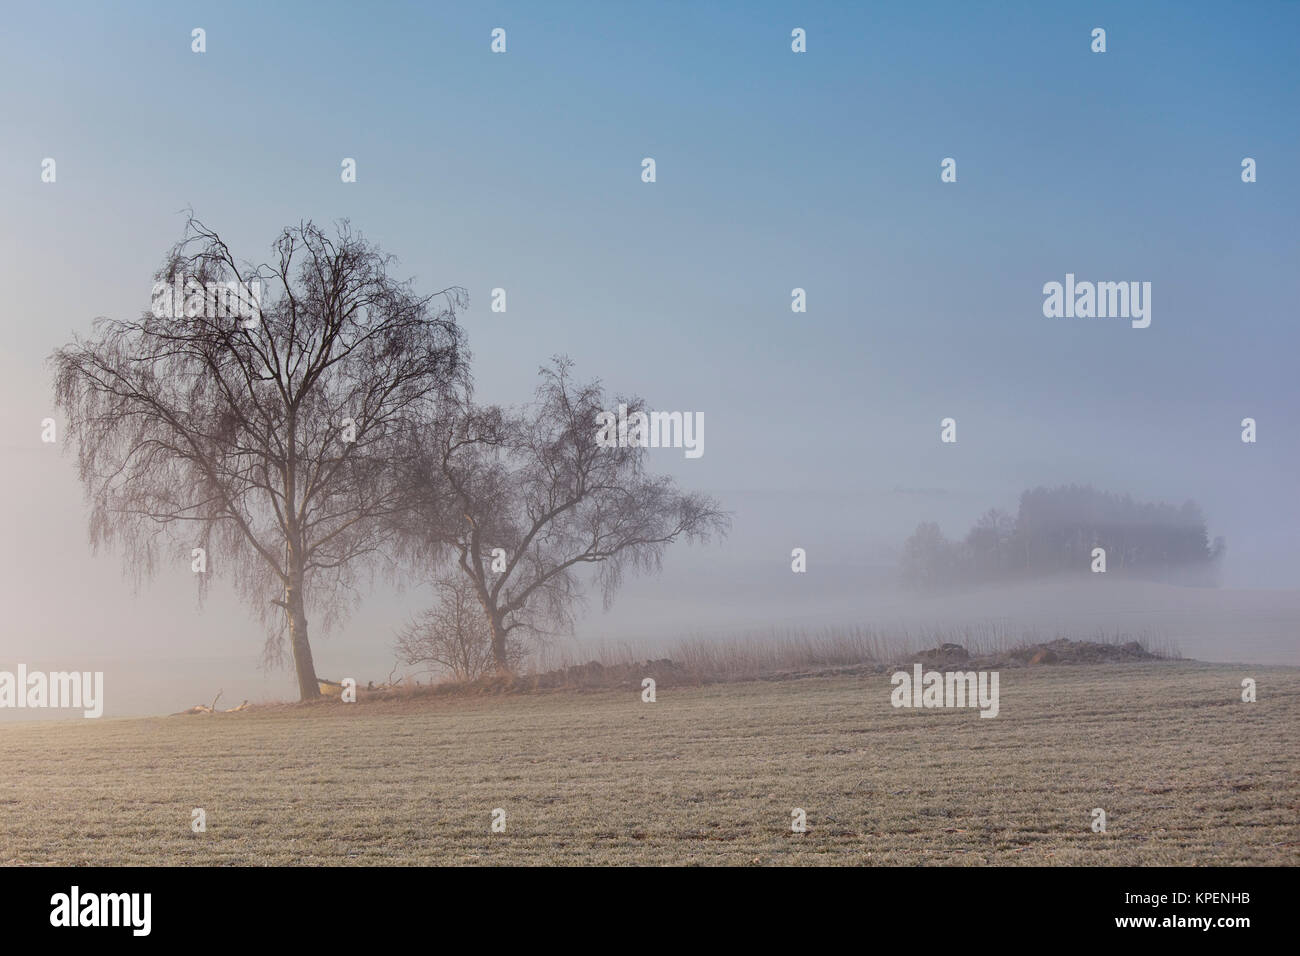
[[775, 170]]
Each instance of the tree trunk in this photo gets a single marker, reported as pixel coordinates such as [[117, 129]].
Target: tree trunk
[[308, 689], [497, 623]]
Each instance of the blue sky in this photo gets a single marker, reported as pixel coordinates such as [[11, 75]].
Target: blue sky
[[775, 170]]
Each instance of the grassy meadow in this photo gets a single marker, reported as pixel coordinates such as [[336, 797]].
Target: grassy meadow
[[1186, 773]]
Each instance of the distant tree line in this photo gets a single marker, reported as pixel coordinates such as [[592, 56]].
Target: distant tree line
[[1056, 530]]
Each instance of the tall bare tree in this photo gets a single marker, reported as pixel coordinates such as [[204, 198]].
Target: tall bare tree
[[526, 498], [266, 437]]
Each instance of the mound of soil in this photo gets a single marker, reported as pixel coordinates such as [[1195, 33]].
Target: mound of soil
[[595, 674], [1059, 651]]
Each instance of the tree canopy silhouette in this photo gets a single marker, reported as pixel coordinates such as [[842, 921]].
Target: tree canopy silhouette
[[267, 441], [1056, 529], [527, 497]]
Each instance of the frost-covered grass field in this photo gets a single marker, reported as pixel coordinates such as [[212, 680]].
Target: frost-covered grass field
[[1186, 773]]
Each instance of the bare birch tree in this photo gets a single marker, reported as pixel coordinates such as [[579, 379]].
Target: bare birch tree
[[527, 498], [267, 441]]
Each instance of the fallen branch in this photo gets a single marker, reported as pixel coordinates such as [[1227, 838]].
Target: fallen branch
[[211, 708], [196, 709]]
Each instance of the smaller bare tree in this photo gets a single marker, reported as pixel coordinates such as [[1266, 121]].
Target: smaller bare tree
[[527, 498], [453, 636]]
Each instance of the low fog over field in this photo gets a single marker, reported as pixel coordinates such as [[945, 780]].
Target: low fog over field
[[161, 653]]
